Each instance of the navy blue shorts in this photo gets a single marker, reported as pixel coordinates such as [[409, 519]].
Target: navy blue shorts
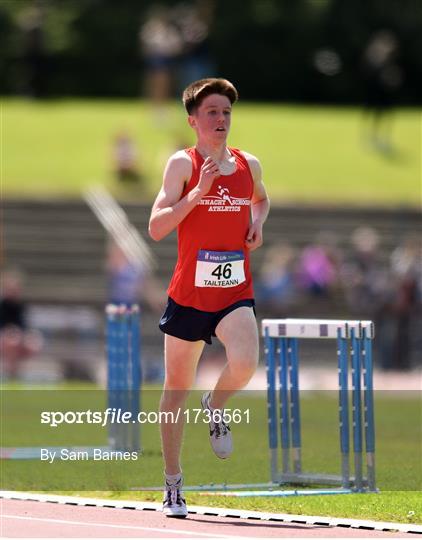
[[193, 324]]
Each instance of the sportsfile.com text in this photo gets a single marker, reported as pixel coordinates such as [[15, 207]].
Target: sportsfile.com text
[[119, 416]]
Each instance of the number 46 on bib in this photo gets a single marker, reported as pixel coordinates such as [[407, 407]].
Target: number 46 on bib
[[219, 268]]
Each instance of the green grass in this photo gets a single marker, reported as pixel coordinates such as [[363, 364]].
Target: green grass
[[399, 443], [309, 154]]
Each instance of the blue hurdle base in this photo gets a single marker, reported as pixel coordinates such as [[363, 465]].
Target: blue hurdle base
[[270, 489], [280, 493]]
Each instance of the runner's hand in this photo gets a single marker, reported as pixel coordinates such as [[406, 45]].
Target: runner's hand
[[254, 236], [209, 172]]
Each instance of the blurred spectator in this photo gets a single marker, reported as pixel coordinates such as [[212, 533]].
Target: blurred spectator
[[276, 288], [382, 77], [125, 157], [406, 258], [133, 284], [364, 276], [17, 341], [129, 284], [318, 265], [368, 289], [34, 58], [161, 44], [406, 266], [193, 20]]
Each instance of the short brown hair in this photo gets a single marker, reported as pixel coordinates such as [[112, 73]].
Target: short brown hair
[[197, 91]]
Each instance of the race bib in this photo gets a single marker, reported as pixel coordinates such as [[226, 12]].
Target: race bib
[[219, 268]]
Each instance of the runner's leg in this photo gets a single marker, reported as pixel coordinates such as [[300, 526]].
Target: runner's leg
[[181, 360], [239, 334]]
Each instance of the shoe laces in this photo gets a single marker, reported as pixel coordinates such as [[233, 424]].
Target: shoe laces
[[220, 429], [173, 494]]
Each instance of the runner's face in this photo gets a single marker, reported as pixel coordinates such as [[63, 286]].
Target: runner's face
[[212, 118]]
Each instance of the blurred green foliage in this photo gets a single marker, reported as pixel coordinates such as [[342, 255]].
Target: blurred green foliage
[[268, 47]]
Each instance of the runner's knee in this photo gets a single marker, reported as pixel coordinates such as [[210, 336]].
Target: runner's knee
[[178, 381], [244, 366]]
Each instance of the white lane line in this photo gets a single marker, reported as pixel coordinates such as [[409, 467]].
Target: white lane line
[[215, 511], [111, 526]]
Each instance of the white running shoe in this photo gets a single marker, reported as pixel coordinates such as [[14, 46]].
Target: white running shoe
[[220, 434], [174, 505]]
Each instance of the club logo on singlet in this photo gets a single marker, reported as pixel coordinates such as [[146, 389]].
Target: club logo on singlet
[[223, 201]]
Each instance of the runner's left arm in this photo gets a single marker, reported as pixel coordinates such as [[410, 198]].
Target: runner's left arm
[[260, 205]]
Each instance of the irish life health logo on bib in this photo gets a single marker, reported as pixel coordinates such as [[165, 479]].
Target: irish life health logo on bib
[[219, 268], [223, 201]]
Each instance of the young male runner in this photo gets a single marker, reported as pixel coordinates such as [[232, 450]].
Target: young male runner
[[215, 197]]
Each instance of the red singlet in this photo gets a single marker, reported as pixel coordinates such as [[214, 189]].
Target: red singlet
[[219, 222]]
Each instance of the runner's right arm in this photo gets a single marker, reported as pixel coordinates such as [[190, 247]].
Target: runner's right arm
[[169, 209]]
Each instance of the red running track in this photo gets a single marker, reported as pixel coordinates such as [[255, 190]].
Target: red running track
[[28, 519]]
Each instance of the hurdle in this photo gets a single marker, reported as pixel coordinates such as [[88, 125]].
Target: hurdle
[[354, 348], [124, 374], [281, 347]]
